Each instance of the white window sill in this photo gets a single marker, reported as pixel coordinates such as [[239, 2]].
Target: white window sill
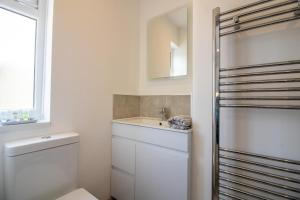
[[24, 127]]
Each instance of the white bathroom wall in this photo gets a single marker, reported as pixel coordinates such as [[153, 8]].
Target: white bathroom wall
[[174, 86], [261, 131], [95, 53]]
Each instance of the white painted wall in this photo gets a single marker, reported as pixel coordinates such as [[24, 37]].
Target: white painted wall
[[148, 10], [248, 127], [95, 54]]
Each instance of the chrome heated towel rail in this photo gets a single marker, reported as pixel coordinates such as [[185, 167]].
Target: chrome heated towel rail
[[244, 175]]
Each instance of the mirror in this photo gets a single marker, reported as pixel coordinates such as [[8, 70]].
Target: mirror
[[167, 45]]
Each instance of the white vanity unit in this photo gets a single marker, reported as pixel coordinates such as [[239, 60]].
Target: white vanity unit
[[149, 160]]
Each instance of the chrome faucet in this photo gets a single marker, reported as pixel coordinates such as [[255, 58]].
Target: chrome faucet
[[163, 113]]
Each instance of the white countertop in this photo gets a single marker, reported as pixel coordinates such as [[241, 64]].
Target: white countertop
[[150, 123]]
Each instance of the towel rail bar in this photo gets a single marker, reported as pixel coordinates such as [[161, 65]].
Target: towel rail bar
[[266, 81], [262, 181], [245, 7], [287, 89], [295, 162], [231, 196], [244, 192], [262, 9], [278, 194], [261, 98], [271, 175], [264, 73], [290, 107], [287, 19], [254, 19], [272, 64]]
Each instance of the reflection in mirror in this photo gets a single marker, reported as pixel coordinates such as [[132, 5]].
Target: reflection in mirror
[[168, 44]]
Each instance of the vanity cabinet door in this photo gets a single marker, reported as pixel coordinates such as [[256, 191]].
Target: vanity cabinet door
[[123, 154], [161, 173], [122, 185]]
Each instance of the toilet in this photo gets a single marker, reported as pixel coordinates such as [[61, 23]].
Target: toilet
[[43, 168]]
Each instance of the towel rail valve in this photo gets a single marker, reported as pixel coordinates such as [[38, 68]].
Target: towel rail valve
[[236, 20]]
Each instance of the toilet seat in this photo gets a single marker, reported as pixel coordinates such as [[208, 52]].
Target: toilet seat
[[79, 194]]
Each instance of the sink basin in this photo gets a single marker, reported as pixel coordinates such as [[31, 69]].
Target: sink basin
[[149, 122], [145, 121]]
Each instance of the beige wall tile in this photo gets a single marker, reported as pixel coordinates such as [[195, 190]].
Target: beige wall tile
[[126, 106], [151, 106], [178, 105]]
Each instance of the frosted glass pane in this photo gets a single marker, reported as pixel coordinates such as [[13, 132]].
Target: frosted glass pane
[[17, 61]]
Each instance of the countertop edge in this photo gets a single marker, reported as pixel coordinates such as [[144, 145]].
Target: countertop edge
[[121, 121]]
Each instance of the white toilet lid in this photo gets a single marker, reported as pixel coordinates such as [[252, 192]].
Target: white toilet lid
[[79, 194]]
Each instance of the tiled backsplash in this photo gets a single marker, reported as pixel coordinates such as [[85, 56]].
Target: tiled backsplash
[[150, 106], [126, 106]]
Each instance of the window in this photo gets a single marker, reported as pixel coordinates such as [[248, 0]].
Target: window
[[23, 60]]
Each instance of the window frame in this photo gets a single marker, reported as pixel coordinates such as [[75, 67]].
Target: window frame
[[43, 17]]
